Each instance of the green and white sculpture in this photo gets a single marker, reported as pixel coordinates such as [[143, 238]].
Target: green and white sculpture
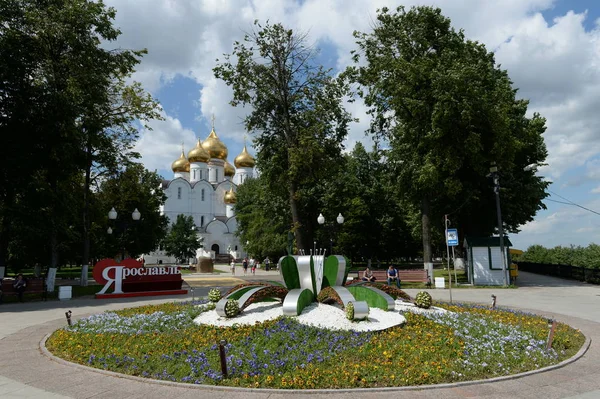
[[305, 276]]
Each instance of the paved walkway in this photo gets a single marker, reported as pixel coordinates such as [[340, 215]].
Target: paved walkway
[[26, 373]]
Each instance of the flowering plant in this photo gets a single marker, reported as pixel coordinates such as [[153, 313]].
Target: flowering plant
[[232, 308], [350, 311], [214, 295], [329, 295], [423, 300]]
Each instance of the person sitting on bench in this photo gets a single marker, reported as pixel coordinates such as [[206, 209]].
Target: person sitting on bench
[[19, 286], [368, 275], [392, 275]]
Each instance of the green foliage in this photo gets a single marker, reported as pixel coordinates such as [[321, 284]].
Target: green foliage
[[182, 241], [64, 86], [296, 108], [372, 298], [376, 222], [214, 295], [133, 188], [574, 255], [423, 300], [448, 112], [232, 308], [263, 218], [349, 311]]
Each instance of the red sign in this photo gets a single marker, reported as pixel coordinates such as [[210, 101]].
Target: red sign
[[131, 276]]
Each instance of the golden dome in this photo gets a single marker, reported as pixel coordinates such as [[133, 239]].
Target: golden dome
[[198, 154], [229, 169], [181, 164], [230, 196], [214, 146], [244, 160]]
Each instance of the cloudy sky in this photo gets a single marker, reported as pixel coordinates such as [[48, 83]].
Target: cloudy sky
[[551, 50]]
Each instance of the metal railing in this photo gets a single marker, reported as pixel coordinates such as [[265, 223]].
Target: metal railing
[[587, 274]]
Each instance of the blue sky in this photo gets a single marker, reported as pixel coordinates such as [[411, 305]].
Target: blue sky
[[551, 50]]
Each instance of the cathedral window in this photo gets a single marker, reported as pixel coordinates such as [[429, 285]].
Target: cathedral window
[[194, 175], [178, 192], [202, 194], [201, 221], [217, 174]]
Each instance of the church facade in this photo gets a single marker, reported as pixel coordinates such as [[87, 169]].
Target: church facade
[[203, 186]]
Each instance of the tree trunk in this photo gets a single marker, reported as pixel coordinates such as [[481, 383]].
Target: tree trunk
[[53, 245], [426, 225], [53, 223], [298, 233], [4, 232], [86, 218]]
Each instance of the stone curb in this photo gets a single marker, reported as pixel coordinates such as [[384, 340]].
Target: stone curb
[[586, 345]]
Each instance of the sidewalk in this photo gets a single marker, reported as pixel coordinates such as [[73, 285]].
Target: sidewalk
[[26, 373]]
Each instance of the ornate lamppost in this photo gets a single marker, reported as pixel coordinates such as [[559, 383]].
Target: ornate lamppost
[[321, 221], [112, 215]]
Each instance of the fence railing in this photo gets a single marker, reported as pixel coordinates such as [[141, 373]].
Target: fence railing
[[564, 271]]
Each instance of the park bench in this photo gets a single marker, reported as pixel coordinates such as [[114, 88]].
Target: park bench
[[34, 286], [408, 276]]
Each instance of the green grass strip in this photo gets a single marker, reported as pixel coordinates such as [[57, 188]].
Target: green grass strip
[[372, 298]]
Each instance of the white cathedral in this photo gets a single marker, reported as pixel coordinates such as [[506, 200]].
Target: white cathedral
[[203, 186]]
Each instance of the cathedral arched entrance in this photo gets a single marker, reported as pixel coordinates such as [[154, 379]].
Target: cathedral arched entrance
[[215, 249]]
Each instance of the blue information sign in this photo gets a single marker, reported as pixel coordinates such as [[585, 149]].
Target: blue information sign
[[452, 237]]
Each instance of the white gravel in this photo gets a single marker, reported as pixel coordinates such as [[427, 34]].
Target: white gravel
[[318, 315]]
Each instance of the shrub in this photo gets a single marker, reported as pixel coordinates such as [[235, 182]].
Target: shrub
[[423, 300], [232, 308], [270, 293], [328, 295], [350, 311], [252, 284], [214, 295]]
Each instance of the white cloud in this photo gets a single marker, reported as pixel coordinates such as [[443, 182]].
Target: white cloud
[[542, 225], [553, 63], [555, 66], [561, 225], [161, 145]]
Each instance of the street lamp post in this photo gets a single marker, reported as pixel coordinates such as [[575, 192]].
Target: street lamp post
[[496, 177], [321, 221], [112, 215]]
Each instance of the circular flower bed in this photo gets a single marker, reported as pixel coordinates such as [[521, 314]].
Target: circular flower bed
[[163, 342]]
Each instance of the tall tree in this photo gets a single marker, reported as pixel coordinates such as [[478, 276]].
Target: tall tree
[[109, 134], [448, 112], [64, 103], [297, 113], [375, 224], [263, 218], [182, 241], [131, 188]]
